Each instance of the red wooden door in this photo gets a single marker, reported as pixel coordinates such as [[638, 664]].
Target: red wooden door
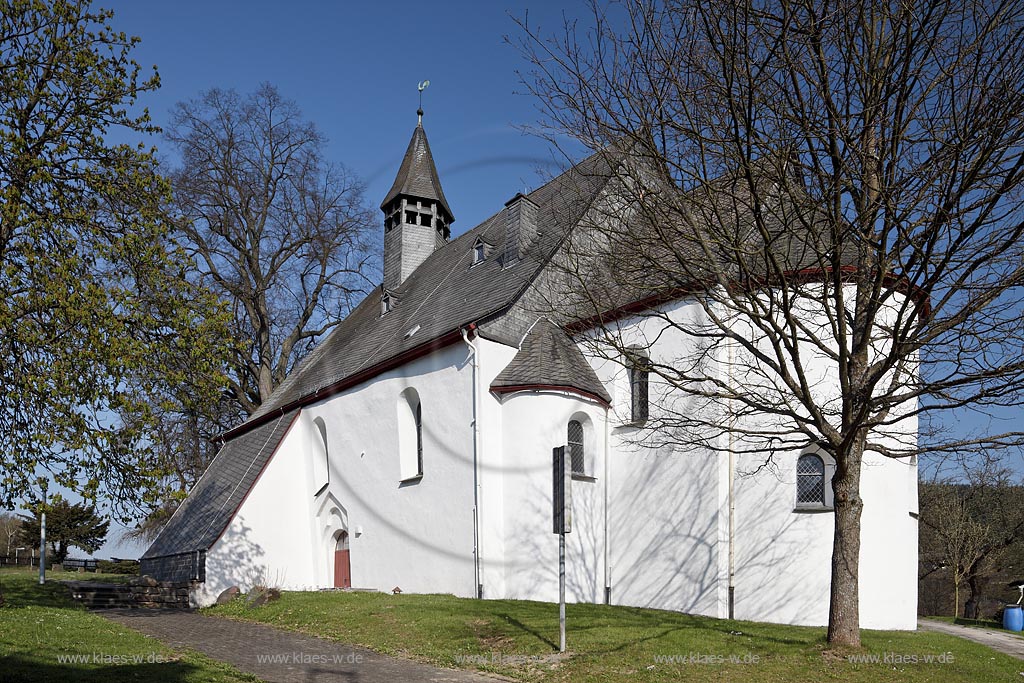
[[342, 566], [342, 570]]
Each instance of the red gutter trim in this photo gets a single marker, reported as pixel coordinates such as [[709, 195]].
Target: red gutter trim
[[805, 275], [426, 348], [550, 387], [259, 475]]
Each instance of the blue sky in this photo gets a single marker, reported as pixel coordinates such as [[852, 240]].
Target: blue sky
[[353, 68]]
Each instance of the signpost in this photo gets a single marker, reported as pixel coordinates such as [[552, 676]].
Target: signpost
[[42, 541], [562, 524]]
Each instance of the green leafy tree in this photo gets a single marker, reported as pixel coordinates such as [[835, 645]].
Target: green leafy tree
[[100, 331], [67, 525]]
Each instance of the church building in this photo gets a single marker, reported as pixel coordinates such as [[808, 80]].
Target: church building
[[413, 449]]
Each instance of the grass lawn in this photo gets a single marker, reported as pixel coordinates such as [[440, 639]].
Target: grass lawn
[[519, 639], [40, 626]]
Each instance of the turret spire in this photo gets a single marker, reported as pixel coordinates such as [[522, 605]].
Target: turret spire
[[417, 218]]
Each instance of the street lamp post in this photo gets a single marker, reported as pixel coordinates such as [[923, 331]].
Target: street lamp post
[[42, 540]]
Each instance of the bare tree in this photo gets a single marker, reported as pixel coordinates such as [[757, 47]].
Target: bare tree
[[10, 526], [968, 527], [280, 233], [838, 186]]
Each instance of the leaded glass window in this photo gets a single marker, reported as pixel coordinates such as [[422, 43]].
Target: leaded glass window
[[810, 480]]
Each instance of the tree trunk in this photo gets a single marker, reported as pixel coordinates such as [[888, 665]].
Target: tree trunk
[[972, 607], [844, 598]]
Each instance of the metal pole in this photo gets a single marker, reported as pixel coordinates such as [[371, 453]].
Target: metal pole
[[42, 549], [42, 539], [561, 592]]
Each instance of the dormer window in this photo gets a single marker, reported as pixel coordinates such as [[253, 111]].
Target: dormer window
[[385, 303], [480, 251]]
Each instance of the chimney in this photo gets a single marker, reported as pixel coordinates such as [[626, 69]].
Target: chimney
[[520, 227]]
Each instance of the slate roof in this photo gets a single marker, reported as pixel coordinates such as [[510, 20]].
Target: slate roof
[[447, 292], [549, 358], [417, 176], [201, 518], [444, 294]]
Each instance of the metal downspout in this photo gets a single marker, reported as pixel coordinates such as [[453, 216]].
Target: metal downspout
[[477, 551]]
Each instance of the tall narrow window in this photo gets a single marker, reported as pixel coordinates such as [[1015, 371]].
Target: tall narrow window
[[810, 480], [575, 443], [419, 439], [639, 376], [410, 436]]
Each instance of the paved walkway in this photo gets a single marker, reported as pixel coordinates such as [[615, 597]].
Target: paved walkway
[[281, 656], [998, 640]]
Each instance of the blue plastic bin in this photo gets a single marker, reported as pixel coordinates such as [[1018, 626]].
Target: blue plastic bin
[[1013, 618]]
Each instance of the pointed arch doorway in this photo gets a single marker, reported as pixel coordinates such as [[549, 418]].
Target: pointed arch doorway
[[342, 562]]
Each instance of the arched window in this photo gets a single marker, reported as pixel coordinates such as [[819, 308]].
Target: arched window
[[419, 438], [321, 457], [639, 378], [576, 449], [810, 480], [410, 435]]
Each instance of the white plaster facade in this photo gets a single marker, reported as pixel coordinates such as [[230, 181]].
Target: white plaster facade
[[650, 527], [650, 524]]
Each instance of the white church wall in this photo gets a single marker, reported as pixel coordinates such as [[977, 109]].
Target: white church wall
[[414, 534], [669, 532], [784, 551], [411, 533], [268, 541], [663, 502], [493, 357], [533, 423]]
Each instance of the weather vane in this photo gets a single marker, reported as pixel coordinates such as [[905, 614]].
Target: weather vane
[[419, 112]]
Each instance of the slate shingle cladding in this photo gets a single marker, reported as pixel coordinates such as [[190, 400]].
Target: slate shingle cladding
[[417, 176], [549, 358], [211, 504]]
